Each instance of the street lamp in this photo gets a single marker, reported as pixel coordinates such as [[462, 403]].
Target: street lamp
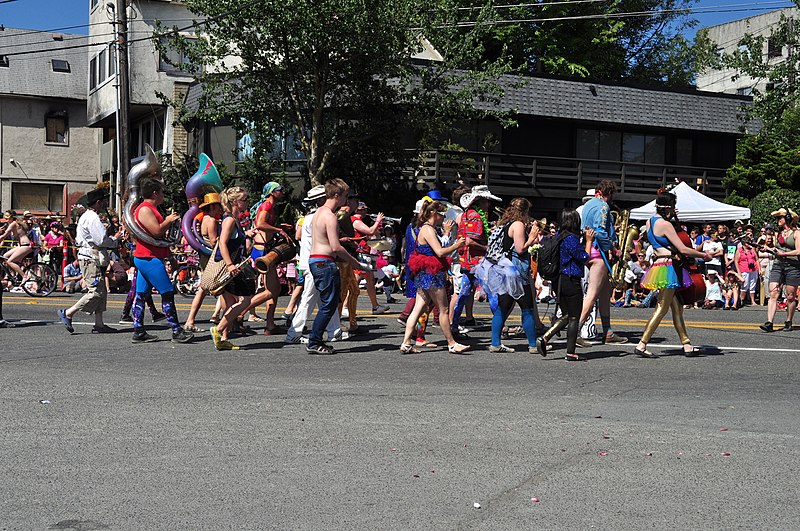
[[18, 165]]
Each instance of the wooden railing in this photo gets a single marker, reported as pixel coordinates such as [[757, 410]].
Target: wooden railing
[[547, 176]]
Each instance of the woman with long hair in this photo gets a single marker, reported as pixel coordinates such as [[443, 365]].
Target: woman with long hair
[[508, 279], [664, 276], [569, 291], [429, 265], [232, 249]]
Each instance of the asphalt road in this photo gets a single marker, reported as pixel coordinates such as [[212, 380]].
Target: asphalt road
[[98, 433]]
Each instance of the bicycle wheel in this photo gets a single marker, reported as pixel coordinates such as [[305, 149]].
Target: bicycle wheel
[[187, 280], [39, 280]]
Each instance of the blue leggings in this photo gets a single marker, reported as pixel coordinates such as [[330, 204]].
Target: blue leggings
[[153, 274], [505, 303]]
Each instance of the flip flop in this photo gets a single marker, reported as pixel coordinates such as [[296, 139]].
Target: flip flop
[[409, 349]]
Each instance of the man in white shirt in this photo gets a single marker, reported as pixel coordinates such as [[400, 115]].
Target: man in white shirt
[[715, 249], [94, 242]]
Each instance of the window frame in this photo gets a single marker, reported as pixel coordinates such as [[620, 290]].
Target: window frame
[[61, 115], [51, 188]]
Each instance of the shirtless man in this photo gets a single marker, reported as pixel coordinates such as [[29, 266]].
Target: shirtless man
[[20, 230], [325, 249]]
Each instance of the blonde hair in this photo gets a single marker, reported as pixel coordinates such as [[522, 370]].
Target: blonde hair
[[229, 195], [335, 186]]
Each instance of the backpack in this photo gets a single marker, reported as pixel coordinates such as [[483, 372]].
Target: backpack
[[549, 258], [494, 249]]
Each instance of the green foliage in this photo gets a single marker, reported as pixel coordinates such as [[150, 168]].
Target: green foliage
[[648, 49], [770, 159], [766, 202], [339, 73]]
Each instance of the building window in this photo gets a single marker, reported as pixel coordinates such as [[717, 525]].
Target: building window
[[150, 131], [774, 49], [42, 197], [93, 4], [171, 60], [102, 63], [56, 129], [92, 73], [112, 61], [744, 91], [4, 61], [60, 65]]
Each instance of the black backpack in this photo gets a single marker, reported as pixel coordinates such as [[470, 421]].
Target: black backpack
[[549, 258]]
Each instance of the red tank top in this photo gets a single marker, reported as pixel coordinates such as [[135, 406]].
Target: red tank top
[[143, 249]]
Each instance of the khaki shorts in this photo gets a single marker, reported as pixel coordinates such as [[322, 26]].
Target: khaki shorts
[[95, 299]]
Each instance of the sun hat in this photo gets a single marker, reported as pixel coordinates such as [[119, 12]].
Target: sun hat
[[477, 192], [318, 192], [785, 211]]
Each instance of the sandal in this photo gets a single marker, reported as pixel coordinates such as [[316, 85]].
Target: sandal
[[426, 344], [644, 353], [574, 357], [214, 319], [458, 348], [511, 331], [692, 353], [405, 348], [255, 318], [192, 328]]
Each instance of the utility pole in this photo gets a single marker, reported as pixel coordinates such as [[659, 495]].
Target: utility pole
[[123, 96]]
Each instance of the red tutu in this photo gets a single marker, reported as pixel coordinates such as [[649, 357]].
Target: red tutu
[[432, 265]]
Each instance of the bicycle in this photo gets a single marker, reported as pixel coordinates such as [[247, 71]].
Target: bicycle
[[186, 279], [38, 280]]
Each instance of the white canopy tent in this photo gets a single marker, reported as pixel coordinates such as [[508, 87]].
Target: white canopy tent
[[694, 206]]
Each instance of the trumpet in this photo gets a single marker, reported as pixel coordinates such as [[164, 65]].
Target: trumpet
[[628, 234]]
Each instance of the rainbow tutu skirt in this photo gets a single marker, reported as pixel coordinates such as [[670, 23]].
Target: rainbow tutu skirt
[[663, 275]]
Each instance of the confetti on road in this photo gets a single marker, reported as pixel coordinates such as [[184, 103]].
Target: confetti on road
[[476, 505], [535, 500], [725, 454]]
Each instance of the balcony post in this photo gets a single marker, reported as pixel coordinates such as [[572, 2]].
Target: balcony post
[[580, 175], [533, 173], [436, 169]]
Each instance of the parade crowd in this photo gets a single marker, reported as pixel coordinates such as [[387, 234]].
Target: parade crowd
[[449, 255]]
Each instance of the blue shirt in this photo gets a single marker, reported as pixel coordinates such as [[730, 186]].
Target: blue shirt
[[72, 271], [573, 256], [597, 215]]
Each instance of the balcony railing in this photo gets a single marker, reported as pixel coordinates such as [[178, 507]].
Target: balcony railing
[[554, 176]]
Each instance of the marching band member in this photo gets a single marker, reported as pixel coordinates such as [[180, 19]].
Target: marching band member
[[149, 261], [209, 231], [232, 249], [265, 214], [596, 215], [663, 276]]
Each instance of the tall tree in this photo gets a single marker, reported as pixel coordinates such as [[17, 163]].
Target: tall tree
[[338, 74], [769, 159], [620, 40]]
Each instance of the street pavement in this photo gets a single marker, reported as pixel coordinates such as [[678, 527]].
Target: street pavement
[[99, 433]]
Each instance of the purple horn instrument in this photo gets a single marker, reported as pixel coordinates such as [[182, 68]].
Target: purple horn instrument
[[202, 188]]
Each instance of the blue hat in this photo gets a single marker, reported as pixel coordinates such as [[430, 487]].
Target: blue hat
[[436, 195]]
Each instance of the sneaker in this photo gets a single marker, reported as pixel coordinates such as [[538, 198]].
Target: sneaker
[[767, 327], [126, 319], [6, 324], [184, 336], [401, 321], [66, 321], [583, 343], [381, 308], [17, 289], [500, 348], [614, 338], [321, 350], [225, 345], [340, 335], [158, 316], [296, 340], [345, 314], [469, 322], [143, 337], [787, 326], [105, 329], [463, 330], [391, 300], [216, 337]]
